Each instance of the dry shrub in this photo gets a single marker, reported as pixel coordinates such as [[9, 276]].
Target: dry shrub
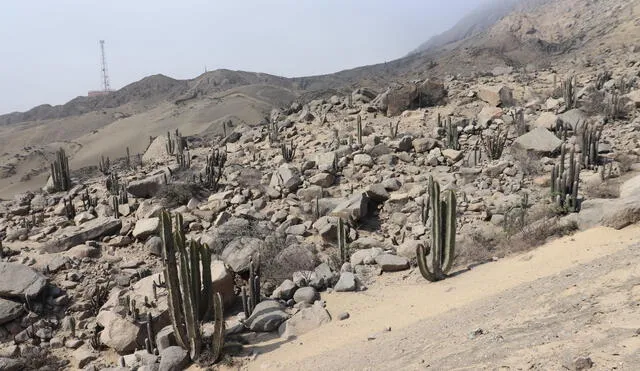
[[279, 261], [603, 190], [594, 103]]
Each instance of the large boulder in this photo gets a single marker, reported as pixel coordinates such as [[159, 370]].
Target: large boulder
[[18, 281], [173, 358], [147, 187], [286, 176], [392, 263], [223, 282], [410, 96], [304, 321], [539, 141], [347, 282], [238, 253], [9, 310], [356, 207], [614, 213], [266, 317], [119, 333], [497, 96], [76, 235], [145, 228], [573, 118]]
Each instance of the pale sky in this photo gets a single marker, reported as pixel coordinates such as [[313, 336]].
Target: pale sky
[[49, 49]]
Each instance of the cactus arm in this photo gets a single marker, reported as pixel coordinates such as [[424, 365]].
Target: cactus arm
[[421, 253], [217, 341], [207, 284]]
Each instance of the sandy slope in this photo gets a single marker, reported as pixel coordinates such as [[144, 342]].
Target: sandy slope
[[574, 296]]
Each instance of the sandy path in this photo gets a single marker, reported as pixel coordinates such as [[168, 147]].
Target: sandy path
[[411, 301]]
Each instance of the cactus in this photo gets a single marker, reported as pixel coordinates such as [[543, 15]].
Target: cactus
[[564, 182], [170, 146], [359, 129], [475, 154], [213, 169], [113, 183], [128, 160], [190, 289], [72, 326], [148, 342], [115, 205], [518, 122], [87, 201], [443, 235], [342, 241], [183, 159], [393, 130], [452, 135], [60, 173], [104, 165], [614, 107], [590, 142], [495, 143], [249, 302], [570, 93], [69, 209], [288, 152]]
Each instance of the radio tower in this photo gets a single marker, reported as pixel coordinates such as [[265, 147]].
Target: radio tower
[[105, 73]]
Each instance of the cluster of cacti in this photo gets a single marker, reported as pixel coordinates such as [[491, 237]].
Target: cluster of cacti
[[518, 122], [443, 235], [88, 201], [602, 78], [570, 93], [562, 130], [69, 209], [359, 129], [113, 183], [288, 152], [104, 165], [613, 107], [495, 143], [60, 173], [183, 159], [590, 141], [343, 247], [564, 182], [452, 135], [393, 129], [190, 289], [214, 168], [273, 133], [251, 298]]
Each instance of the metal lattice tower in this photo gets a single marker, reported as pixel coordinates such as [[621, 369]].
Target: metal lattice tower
[[105, 73]]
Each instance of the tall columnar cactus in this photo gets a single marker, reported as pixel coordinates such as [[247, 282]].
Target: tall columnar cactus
[[190, 289], [443, 235], [104, 165], [570, 93], [170, 146], [452, 135], [250, 301], [60, 173], [393, 129], [564, 182], [342, 241], [359, 129], [590, 143]]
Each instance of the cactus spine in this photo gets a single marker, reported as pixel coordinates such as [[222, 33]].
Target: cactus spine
[[443, 235], [190, 290], [60, 173]]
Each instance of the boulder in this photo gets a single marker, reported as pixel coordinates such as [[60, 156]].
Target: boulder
[[285, 291], [305, 295], [119, 333], [634, 97], [147, 187], [355, 207], [223, 282], [153, 245], [573, 118], [322, 179], [422, 145], [18, 281], [76, 235], [497, 96], [298, 256], [546, 120], [539, 140], [304, 321], [363, 159], [325, 161], [408, 248], [11, 364], [392, 263], [614, 213], [286, 176], [9, 310], [266, 317], [347, 282], [410, 96], [173, 358], [488, 114], [145, 228], [238, 253]]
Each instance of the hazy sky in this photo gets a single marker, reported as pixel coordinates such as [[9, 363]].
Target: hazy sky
[[49, 48]]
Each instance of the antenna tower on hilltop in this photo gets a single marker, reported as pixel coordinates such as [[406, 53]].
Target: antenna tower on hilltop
[[105, 73]]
